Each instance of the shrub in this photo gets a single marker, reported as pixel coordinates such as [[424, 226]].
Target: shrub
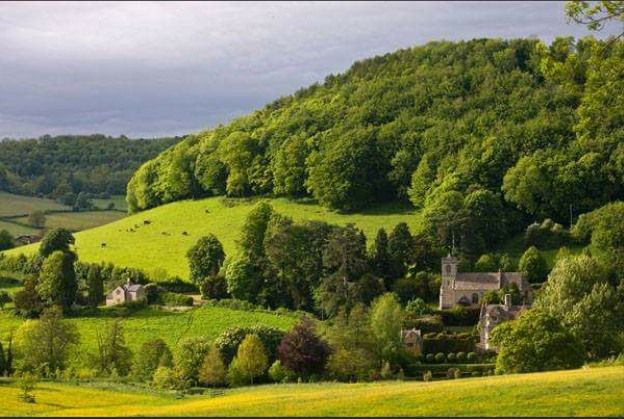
[[450, 357], [212, 371], [439, 357], [302, 351], [471, 357], [278, 373], [229, 341], [475, 373], [172, 299], [178, 285], [430, 357], [427, 376], [426, 324], [453, 373], [448, 342], [460, 316], [417, 307], [214, 287], [164, 378]]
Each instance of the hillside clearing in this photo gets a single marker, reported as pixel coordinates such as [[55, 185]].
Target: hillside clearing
[[160, 237], [77, 221], [586, 392]]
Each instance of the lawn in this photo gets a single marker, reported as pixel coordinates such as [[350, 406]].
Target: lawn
[[77, 221], [151, 323], [175, 227], [17, 230], [586, 392], [11, 205]]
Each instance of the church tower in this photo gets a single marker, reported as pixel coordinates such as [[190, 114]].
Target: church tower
[[449, 273]]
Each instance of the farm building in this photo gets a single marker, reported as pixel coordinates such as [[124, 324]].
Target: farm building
[[126, 293]]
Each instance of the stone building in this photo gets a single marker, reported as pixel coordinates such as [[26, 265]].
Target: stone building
[[126, 293], [412, 341], [492, 315], [467, 288]]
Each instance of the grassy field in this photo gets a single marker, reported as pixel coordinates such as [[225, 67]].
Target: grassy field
[[17, 229], [151, 323], [163, 244], [118, 200], [515, 249], [11, 205], [77, 221], [587, 392]]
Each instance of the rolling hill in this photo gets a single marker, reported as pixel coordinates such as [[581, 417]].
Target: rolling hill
[[586, 392], [174, 228]]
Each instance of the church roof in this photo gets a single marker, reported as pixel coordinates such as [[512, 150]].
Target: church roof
[[486, 280]]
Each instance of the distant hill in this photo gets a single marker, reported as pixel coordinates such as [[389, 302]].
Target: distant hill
[[483, 136], [70, 164]]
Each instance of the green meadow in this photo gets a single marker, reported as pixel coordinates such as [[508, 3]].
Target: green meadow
[[151, 323], [159, 238], [585, 392]]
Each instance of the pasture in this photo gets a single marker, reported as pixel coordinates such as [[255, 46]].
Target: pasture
[[77, 221], [12, 205], [584, 392], [159, 238], [151, 323]]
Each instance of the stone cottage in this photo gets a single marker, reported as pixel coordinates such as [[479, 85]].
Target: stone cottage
[[467, 288], [494, 314], [412, 341], [126, 293]]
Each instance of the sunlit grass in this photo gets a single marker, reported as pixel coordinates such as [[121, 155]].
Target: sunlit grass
[[587, 392]]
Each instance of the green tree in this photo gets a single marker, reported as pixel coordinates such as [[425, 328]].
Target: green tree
[[400, 248], [27, 301], [386, 318], [4, 298], [189, 358], [57, 283], [112, 352], [56, 239], [6, 240], [37, 219], [254, 230], [487, 263], [243, 279], [536, 341], [578, 292], [95, 286], [48, 342], [212, 371], [380, 258], [595, 15], [205, 258], [533, 266], [153, 354], [251, 360]]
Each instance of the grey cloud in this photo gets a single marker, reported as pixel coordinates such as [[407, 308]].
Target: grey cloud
[[158, 68]]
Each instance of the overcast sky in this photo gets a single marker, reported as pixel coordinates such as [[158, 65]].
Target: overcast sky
[[156, 69]]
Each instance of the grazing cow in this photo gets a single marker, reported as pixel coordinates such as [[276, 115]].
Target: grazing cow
[[103, 245], [184, 233], [147, 222]]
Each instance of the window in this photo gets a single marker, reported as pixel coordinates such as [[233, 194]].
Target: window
[[475, 298], [448, 269]]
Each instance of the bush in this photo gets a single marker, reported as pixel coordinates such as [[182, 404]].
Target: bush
[[475, 373], [447, 342], [417, 307], [178, 285], [278, 373], [430, 357], [230, 339], [427, 376], [460, 316], [440, 357], [214, 287], [461, 356], [453, 373], [164, 378], [450, 357], [172, 299], [471, 357]]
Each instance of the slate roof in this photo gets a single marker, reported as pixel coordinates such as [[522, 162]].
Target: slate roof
[[486, 280]]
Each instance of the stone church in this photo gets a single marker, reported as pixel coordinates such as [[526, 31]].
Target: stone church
[[467, 288]]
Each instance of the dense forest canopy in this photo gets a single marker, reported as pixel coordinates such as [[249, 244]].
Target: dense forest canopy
[[55, 166], [488, 129]]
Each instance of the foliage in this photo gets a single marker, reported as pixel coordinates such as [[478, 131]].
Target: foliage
[[448, 343], [212, 371], [4, 299], [205, 258], [302, 351], [190, 356], [152, 355], [57, 283], [386, 316], [113, 355], [579, 294], [250, 361], [70, 164], [536, 341], [229, 341], [533, 266], [6, 240], [58, 239], [46, 345], [417, 307], [27, 301], [37, 219], [214, 287], [547, 235]]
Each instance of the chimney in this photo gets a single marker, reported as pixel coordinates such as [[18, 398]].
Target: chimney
[[128, 281], [507, 301]]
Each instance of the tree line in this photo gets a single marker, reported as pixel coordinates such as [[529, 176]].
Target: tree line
[[62, 167]]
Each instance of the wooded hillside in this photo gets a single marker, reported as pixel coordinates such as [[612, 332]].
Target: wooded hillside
[[469, 132]]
